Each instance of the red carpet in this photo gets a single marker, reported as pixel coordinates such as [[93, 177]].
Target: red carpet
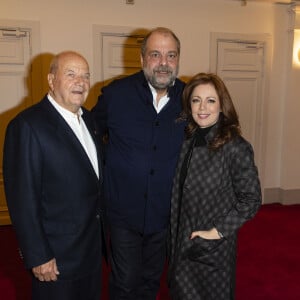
[[269, 255], [268, 265]]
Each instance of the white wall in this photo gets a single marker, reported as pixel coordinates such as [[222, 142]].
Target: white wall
[[68, 24], [290, 137]]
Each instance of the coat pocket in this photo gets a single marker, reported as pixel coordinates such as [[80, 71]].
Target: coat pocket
[[205, 251]]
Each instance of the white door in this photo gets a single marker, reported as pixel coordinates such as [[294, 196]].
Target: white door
[[240, 65], [116, 54], [121, 56], [243, 65], [14, 82]]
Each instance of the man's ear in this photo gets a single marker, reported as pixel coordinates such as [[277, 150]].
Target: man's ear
[[142, 60], [51, 78]]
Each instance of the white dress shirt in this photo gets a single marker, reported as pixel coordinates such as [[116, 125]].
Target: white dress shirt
[[162, 101], [79, 128]]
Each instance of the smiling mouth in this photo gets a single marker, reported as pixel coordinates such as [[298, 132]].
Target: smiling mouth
[[162, 70], [203, 116], [77, 92]]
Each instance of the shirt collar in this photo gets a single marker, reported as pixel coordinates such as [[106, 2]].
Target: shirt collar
[[63, 111]]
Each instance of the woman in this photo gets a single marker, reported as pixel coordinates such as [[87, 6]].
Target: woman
[[216, 190]]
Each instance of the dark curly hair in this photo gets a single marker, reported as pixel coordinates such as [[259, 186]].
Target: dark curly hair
[[229, 126]]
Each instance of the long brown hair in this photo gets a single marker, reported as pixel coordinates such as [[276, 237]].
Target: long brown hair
[[229, 126]]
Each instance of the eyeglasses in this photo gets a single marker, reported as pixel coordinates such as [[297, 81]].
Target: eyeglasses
[[157, 56]]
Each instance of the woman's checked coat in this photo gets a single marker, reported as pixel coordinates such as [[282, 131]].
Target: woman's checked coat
[[221, 190]]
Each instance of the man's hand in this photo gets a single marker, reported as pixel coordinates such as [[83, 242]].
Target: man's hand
[[47, 271]]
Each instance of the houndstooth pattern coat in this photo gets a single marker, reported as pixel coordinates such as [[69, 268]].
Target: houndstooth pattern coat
[[221, 190]]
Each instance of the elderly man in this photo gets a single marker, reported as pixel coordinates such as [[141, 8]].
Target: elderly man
[[53, 177]]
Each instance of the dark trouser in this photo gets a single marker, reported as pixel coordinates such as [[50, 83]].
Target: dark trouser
[[137, 263], [86, 288]]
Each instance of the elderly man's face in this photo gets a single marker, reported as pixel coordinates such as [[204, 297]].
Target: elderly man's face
[[69, 86]]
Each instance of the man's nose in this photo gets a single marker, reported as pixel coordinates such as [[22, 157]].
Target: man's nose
[[79, 80], [163, 60]]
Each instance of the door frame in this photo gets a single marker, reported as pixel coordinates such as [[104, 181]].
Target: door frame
[[35, 71], [266, 41]]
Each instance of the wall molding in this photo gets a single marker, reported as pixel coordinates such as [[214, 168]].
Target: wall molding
[[278, 195]]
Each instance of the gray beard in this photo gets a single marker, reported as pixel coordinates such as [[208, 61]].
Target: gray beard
[[160, 86]]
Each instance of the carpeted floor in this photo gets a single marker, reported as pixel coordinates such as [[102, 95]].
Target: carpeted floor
[[268, 264], [269, 255]]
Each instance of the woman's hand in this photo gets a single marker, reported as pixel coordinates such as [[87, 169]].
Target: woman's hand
[[211, 234]]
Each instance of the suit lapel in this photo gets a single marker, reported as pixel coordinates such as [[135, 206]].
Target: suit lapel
[[67, 136], [91, 128]]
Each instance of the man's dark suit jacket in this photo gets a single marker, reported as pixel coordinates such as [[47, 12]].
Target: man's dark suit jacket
[[53, 193], [141, 154]]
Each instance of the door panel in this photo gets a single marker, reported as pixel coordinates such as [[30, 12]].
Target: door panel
[[241, 66], [14, 62], [121, 56], [244, 90], [116, 54], [239, 56]]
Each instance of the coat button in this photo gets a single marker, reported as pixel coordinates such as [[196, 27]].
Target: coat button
[[97, 216], [151, 172]]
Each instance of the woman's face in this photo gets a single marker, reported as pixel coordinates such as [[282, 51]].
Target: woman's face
[[205, 105]]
